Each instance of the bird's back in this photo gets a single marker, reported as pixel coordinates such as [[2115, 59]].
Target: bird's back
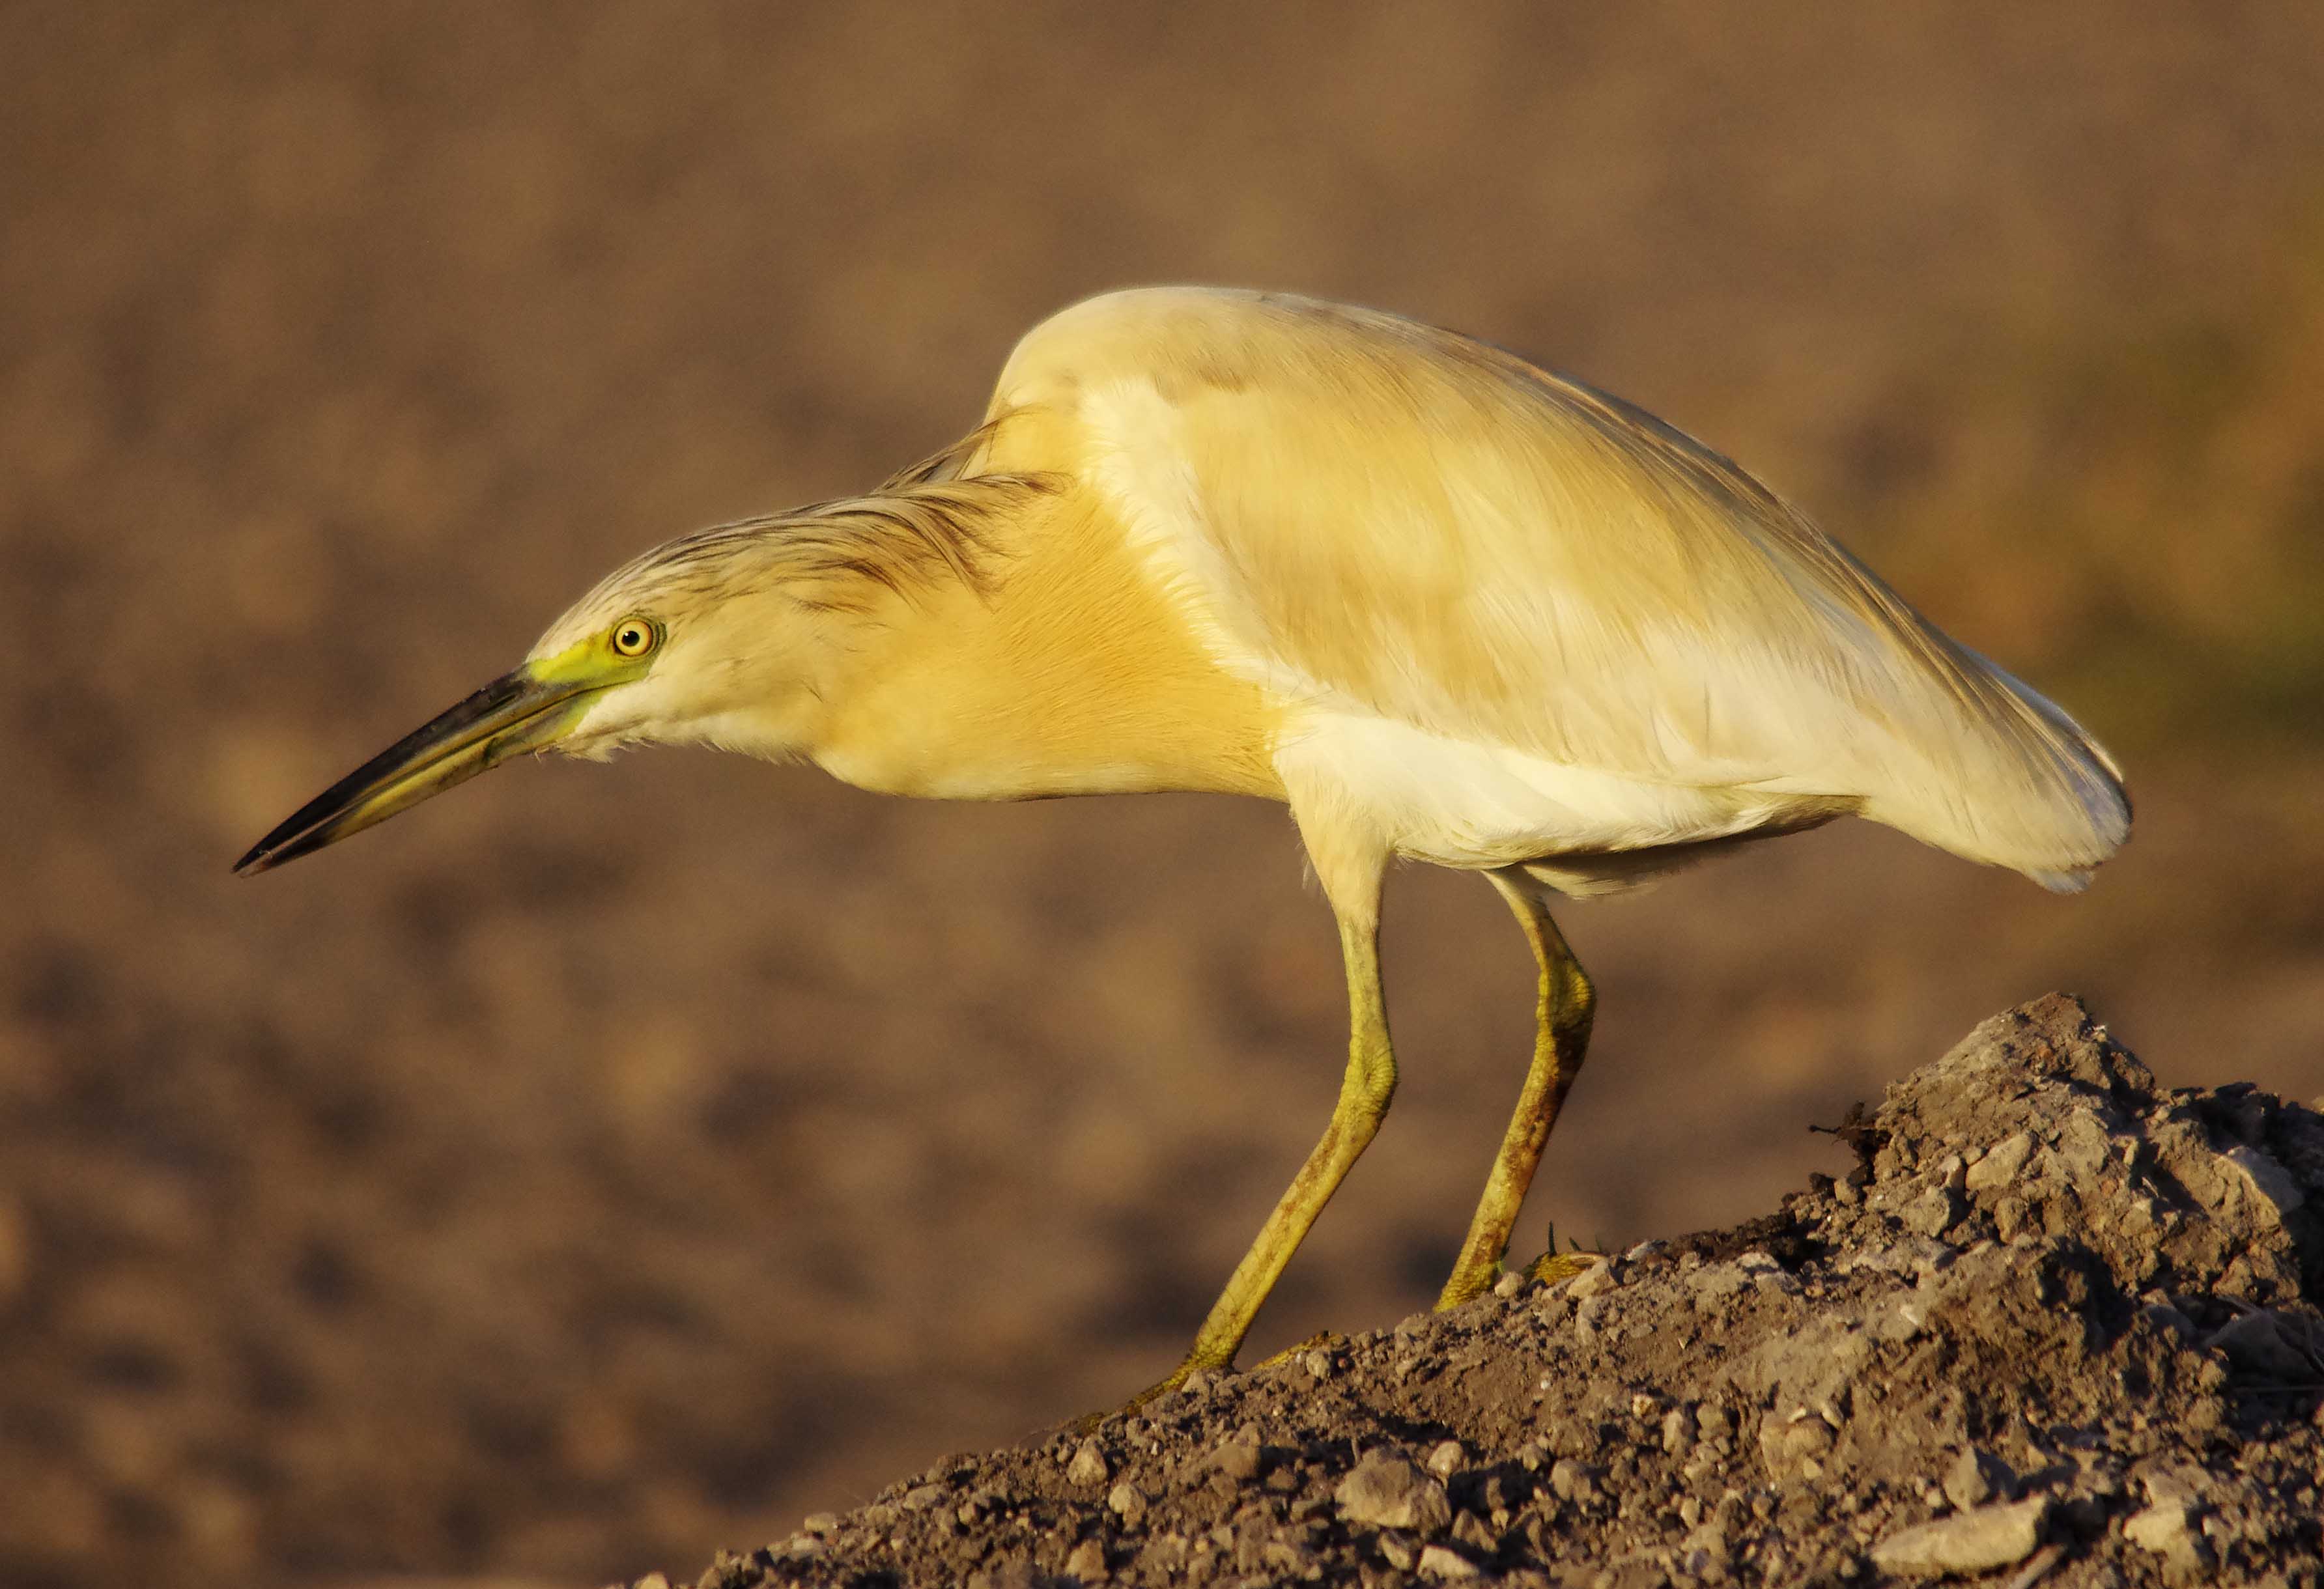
[[1400, 530]]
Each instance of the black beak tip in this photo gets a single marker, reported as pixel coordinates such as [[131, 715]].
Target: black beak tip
[[456, 746], [292, 840], [286, 843]]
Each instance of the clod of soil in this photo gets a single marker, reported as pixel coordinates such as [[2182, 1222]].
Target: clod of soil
[[2058, 1327]]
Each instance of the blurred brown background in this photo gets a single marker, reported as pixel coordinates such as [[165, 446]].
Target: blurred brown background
[[606, 1164]]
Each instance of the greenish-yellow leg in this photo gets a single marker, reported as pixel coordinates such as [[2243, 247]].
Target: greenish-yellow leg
[[1561, 1038], [1364, 1094]]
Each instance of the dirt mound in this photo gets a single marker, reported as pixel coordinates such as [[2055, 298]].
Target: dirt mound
[[2057, 1326]]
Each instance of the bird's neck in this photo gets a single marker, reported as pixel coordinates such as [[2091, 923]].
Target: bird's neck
[[1071, 673]]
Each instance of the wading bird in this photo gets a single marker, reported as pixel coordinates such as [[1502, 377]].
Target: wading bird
[[1442, 604]]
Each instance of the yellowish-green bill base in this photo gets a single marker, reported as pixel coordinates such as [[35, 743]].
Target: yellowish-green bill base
[[527, 709]]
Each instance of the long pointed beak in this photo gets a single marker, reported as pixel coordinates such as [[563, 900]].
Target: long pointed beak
[[516, 712]]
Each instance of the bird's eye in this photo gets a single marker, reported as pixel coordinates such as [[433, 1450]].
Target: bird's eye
[[634, 636]]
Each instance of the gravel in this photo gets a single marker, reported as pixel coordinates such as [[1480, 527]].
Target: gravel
[[2058, 1327]]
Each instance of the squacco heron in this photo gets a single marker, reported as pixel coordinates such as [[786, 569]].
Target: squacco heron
[[1442, 604]]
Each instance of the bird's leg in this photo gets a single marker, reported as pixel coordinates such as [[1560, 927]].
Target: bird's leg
[[1364, 1092], [1561, 1038]]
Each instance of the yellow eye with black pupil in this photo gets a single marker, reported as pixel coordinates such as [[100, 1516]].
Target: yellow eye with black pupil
[[634, 637]]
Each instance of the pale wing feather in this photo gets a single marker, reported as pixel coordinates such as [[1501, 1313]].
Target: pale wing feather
[[1434, 529]]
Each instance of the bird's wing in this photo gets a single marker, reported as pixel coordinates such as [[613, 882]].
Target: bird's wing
[[1439, 533]]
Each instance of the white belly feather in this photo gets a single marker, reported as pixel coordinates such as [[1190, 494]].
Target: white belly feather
[[1470, 805]]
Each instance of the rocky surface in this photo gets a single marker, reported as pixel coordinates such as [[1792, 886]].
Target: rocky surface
[[2059, 1327]]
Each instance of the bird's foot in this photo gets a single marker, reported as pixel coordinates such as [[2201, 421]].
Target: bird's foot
[[1175, 1380], [1321, 1337], [1552, 1267], [1549, 1268]]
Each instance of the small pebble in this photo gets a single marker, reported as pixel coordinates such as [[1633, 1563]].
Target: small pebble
[[1976, 1478], [1573, 1481], [1594, 1281], [1931, 1213], [1967, 1542], [1439, 1562], [1127, 1503], [1238, 1459], [2001, 1163], [1470, 1529], [2257, 1344], [1293, 1559], [1387, 1491], [1089, 1465], [2161, 1526]]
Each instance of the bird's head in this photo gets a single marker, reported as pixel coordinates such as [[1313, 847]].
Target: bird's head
[[703, 641]]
